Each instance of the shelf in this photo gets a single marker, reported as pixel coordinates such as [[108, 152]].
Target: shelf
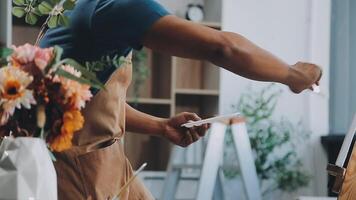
[[198, 92], [204, 106], [157, 84], [195, 74], [150, 101]]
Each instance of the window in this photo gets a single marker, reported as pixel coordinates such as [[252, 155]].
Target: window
[[343, 65]]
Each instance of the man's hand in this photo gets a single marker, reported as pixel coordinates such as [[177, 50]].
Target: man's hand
[[180, 135], [302, 76]]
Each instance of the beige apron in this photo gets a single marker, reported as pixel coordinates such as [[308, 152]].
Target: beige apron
[[96, 167]]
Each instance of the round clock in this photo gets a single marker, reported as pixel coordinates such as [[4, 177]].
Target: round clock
[[195, 13]]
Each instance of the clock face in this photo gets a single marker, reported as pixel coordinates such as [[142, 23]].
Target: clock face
[[195, 14]]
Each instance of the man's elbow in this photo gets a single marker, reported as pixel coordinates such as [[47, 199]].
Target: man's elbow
[[223, 48]]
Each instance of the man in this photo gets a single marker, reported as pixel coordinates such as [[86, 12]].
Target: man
[[96, 168]]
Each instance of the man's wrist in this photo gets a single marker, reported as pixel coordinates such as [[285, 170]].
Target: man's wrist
[[162, 127]]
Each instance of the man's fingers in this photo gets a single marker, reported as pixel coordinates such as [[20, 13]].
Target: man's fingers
[[191, 117], [202, 129], [194, 135], [187, 139], [184, 117]]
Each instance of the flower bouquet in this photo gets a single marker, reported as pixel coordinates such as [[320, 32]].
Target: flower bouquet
[[40, 96]]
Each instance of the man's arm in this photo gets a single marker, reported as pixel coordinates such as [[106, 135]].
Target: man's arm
[[174, 36]]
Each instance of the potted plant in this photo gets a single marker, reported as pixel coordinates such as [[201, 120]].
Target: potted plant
[[274, 143]]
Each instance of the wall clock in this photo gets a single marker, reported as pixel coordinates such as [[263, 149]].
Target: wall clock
[[195, 13]]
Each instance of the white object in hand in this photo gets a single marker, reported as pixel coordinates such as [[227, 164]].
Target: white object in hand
[[316, 88], [191, 124]]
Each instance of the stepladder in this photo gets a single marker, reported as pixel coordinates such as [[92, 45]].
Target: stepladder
[[208, 166], [345, 178]]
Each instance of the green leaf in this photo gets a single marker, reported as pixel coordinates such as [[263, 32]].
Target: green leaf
[[85, 73], [63, 20], [52, 155], [5, 52], [19, 2], [45, 8], [18, 11], [31, 18], [68, 75], [69, 4], [58, 52], [80, 68], [37, 12], [53, 21], [55, 2]]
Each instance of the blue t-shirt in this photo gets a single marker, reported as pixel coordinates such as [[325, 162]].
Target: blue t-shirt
[[103, 27]]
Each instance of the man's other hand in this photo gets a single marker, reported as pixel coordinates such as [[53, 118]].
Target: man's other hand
[[182, 136]]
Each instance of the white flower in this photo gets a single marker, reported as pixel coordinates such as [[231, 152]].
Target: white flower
[[13, 91]]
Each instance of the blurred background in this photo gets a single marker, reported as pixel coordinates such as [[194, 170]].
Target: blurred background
[[293, 137]]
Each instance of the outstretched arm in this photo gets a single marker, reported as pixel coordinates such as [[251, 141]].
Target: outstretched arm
[[174, 36]]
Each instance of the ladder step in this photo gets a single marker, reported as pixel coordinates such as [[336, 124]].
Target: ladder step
[[187, 166]]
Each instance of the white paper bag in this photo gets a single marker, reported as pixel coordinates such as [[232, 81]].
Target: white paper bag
[[26, 170]]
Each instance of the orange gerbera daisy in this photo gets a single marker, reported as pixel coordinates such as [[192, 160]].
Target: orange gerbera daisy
[[73, 121]]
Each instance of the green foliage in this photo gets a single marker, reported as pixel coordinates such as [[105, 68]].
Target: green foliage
[[4, 53], [273, 142], [104, 62], [87, 77], [54, 10], [140, 71]]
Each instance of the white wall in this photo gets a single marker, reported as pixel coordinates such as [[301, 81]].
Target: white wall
[[294, 30]]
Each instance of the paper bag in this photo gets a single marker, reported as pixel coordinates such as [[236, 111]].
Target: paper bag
[[26, 170]]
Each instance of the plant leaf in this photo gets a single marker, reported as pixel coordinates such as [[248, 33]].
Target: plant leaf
[[68, 75], [53, 21], [31, 18], [19, 2], [55, 2], [63, 20], [45, 8], [89, 76], [18, 11], [80, 68], [85, 73], [5, 52], [58, 51], [37, 12], [52, 155], [69, 4]]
